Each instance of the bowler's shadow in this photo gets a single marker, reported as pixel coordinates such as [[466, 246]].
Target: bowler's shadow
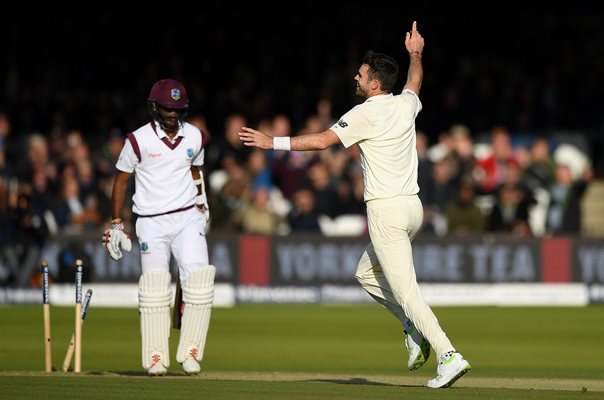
[[358, 381]]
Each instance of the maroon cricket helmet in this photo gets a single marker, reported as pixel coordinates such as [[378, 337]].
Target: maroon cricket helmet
[[169, 93]]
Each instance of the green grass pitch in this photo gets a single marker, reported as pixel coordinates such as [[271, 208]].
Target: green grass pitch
[[311, 352]]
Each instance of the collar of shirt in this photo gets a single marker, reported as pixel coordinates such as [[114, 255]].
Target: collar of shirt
[[379, 97], [162, 134]]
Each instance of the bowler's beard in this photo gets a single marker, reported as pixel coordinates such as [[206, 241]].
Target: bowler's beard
[[360, 92]]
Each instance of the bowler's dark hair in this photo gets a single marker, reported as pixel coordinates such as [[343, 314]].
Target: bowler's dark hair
[[383, 68]]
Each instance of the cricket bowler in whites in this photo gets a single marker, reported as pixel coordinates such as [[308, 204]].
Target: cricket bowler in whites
[[384, 129], [165, 156]]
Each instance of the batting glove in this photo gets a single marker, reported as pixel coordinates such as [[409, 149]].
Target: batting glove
[[114, 238]]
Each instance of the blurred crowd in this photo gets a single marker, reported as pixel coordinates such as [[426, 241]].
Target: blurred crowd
[[59, 183]]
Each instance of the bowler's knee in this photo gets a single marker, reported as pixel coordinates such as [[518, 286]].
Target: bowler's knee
[[362, 275]]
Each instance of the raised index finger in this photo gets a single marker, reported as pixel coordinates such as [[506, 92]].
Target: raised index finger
[[414, 27]]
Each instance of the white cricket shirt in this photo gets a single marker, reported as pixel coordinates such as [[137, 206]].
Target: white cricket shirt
[[384, 129], [162, 168]]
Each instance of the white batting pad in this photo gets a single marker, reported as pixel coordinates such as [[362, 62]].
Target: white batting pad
[[198, 296], [154, 299]]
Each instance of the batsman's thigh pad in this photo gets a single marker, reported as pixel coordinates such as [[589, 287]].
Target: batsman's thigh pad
[[189, 247], [154, 299], [198, 296]]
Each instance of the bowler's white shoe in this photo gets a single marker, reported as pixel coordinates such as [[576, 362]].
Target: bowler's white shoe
[[191, 366], [451, 367], [157, 369], [418, 347]]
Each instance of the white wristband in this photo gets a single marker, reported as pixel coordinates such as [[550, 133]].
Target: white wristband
[[282, 143]]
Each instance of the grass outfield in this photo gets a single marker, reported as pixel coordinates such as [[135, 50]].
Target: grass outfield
[[312, 352]]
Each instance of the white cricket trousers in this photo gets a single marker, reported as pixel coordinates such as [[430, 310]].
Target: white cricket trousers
[[386, 269], [181, 234]]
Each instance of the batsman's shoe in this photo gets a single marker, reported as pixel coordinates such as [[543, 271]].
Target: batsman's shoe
[[157, 369], [191, 366], [418, 347], [451, 367]]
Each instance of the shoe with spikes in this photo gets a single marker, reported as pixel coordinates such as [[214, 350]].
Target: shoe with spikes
[[451, 367], [190, 365], [157, 368], [418, 347]]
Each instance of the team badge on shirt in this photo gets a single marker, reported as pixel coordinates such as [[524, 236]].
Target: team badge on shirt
[[175, 94], [342, 123], [190, 153], [144, 247]]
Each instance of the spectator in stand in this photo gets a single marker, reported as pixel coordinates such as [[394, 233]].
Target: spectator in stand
[[303, 217], [10, 149], [319, 182], [87, 177], [489, 172], [513, 178], [231, 198], [539, 174], [39, 163], [324, 112], [257, 166], [6, 169], [71, 213], [564, 214], [462, 152], [199, 121], [38, 178], [290, 171], [28, 236], [513, 203], [349, 201], [77, 148], [228, 146], [441, 148], [105, 159], [463, 216], [257, 217], [441, 191], [510, 213], [7, 216]]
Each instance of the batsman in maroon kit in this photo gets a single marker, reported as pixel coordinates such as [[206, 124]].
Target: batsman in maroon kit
[[166, 156]]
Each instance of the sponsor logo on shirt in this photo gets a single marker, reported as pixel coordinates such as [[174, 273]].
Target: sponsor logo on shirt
[[190, 153], [342, 123], [154, 155]]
